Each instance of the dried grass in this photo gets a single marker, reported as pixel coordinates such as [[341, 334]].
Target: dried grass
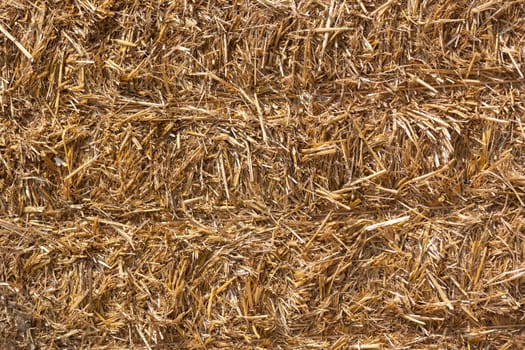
[[262, 174]]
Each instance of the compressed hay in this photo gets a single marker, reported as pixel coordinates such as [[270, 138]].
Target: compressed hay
[[262, 174]]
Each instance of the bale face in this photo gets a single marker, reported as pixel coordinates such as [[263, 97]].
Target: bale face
[[262, 174]]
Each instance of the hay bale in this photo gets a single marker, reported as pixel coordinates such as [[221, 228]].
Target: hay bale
[[262, 174]]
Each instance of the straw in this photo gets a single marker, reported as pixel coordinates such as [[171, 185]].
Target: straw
[[262, 174]]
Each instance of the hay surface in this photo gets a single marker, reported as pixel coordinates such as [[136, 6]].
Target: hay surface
[[262, 174]]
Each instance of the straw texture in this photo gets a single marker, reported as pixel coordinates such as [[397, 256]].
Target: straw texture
[[260, 174]]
